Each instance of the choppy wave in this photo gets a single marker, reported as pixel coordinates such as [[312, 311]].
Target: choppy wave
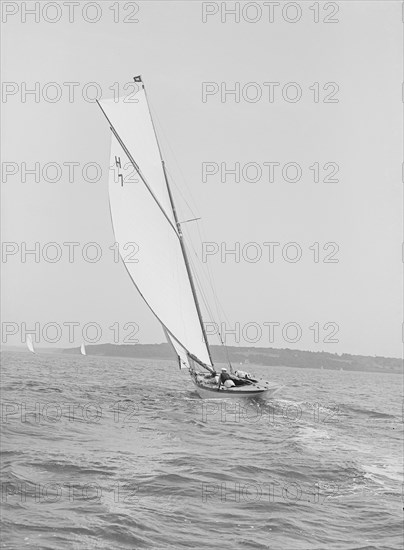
[[116, 453]]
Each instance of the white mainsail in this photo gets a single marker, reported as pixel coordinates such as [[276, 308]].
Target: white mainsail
[[30, 343], [83, 349], [142, 213]]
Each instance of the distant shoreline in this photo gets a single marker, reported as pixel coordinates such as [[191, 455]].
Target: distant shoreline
[[257, 356], [247, 356]]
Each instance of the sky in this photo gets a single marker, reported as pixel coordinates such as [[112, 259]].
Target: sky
[[349, 75]]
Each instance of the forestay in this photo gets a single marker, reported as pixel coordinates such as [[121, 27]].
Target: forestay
[[142, 214]]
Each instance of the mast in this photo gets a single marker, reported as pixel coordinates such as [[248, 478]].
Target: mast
[[132, 160], [181, 237]]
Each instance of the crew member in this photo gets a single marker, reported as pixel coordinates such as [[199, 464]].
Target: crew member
[[224, 377]]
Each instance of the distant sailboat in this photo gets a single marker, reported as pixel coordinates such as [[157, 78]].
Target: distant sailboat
[[30, 343], [143, 211], [83, 349]]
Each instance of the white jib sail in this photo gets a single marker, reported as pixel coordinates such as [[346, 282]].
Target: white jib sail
[[143, 221], [30, 343], [83, 349], [183, 359]]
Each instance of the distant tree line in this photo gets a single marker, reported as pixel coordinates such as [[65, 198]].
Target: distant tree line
[[258, 356]]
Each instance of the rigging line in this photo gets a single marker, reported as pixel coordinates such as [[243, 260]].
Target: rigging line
[[212, 281], [183, 249], [200, 286], [207, 306], [206, 303], [207, 273], [218, 306], [208, 276], [161, 131], [172, 179], [189, 240]]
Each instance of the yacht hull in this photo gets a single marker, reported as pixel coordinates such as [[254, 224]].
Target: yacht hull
[[261, 389]]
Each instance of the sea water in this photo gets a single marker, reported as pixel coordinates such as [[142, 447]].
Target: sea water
[[119, 453]]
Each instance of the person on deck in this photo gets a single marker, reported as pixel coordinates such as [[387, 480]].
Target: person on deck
[[244, 375], [225, 377], [212, 377], [211, 374]]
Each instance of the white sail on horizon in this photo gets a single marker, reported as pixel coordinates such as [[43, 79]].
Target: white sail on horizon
[[30, 343], [141, 213], [83, 349]]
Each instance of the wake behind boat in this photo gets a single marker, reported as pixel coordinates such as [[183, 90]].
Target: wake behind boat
[[143, 212]]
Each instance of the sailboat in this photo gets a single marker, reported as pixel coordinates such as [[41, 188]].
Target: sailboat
[[83, 349], [144, 212], [30, 343]]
